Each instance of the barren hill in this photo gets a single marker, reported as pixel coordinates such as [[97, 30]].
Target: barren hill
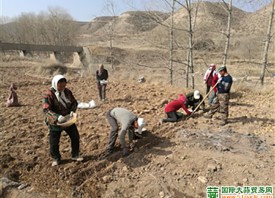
[[139, 30], [210, 21], [135, 22], [257, 22], [127, 24], [95, 24]]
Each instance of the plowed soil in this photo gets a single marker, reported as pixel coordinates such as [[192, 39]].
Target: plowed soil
[[171, 160]]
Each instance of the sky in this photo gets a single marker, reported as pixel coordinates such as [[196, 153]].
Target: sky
[[84, 10]]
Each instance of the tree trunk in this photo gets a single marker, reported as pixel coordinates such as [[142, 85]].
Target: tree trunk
[[171, 42], [228, 34], [111, 45], [190, 44], [267, 42], [187, 70]]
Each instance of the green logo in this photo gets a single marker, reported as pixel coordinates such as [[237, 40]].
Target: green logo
[[239, 191], [212, 192]]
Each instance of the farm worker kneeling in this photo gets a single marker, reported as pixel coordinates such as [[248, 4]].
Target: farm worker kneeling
[[171, 110], [12, 100], [193, 99], [59, 103], [128, 122]]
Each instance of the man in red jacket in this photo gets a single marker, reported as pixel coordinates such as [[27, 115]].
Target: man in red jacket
[[171, 110]]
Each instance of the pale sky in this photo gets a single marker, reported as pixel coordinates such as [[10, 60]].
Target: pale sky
[[83, 10]]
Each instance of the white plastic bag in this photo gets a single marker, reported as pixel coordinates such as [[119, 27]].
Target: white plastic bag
[[92, 104], [85, 105], [103, 82]]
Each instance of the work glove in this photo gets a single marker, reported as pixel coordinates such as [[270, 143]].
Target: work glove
[[71, 114], [61, 119], [125, 152], [132, 146]]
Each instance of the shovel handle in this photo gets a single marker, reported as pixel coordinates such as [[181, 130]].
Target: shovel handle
[[203, 100]]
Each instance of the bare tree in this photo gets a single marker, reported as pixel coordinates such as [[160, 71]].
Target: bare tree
[[61, 30], [189, 66], [171, 41], [25, 29], [7, 30], [228, 8], [192, 15], [55, 27], [267, 42], [176, 43], [165, 44], [110, 28]]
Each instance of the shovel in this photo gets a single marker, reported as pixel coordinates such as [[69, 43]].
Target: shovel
[[203, 100]]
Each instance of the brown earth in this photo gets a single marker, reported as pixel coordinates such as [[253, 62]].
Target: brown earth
[[171, 160]]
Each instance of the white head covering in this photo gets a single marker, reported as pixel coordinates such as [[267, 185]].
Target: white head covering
[[212, 66], [197, 94], [60, 95], [55, 80], [141, 124]]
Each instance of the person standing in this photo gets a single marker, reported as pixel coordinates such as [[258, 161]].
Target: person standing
[[208, 76], [171, 110], [128, 123], [223, 96], [59, 102], [101, 80], [212, 98]]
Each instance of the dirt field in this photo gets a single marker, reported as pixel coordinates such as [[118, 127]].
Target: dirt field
[[171, 160]]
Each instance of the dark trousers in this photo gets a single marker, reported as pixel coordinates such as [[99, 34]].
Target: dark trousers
[[207, 89], [221, 106], [102, 91], [55, 138], [114, 131], [172, 117]]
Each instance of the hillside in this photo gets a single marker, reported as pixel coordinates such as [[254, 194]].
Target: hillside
[[128, 24], [95, 24], [139, 30], [256, 22]]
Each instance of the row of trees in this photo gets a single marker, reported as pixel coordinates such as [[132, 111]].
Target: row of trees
[[54, 27], [190, 29], [192, 9]]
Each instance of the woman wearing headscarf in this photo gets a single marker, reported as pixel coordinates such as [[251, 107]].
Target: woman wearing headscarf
[[209, 75], [12, 100], [101, 80], [58, 103]]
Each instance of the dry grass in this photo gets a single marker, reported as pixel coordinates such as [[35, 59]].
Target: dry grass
[[256, 88]]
